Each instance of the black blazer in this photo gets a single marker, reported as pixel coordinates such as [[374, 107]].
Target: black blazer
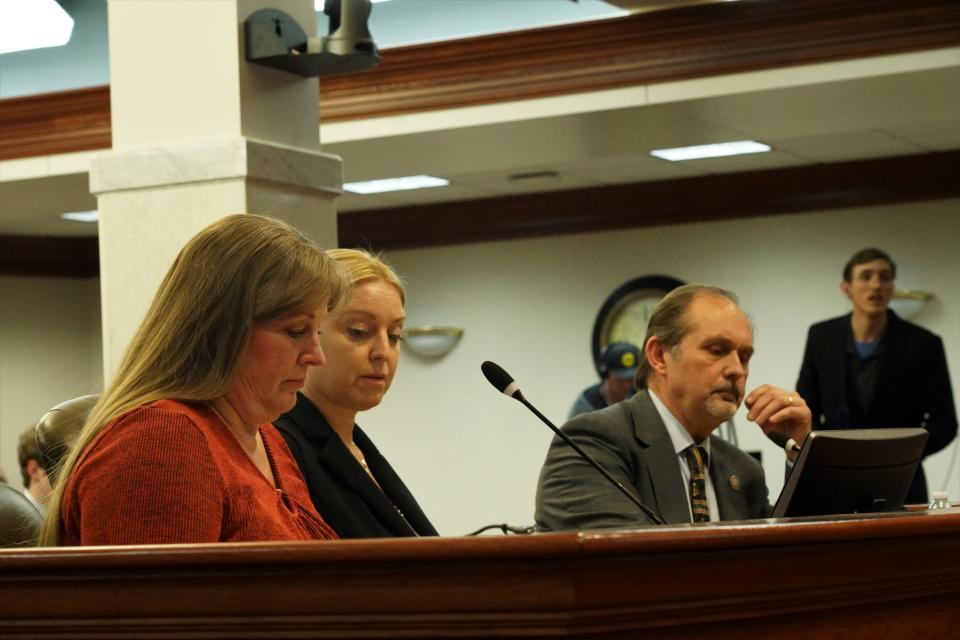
[[913, 388], [340, 488]]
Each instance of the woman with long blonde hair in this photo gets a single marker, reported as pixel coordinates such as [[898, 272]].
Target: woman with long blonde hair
[[352, 485], [179, 447]]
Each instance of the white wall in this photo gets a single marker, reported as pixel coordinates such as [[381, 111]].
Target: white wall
[[49, 352], [471, 456]]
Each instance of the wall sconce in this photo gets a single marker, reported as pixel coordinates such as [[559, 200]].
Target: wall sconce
[[431, 342], [908, 302]]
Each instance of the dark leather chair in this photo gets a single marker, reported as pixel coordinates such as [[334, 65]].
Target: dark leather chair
[[20, 521], [58, 430]]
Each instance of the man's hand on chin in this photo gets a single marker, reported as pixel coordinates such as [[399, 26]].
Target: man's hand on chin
[[776, 409]]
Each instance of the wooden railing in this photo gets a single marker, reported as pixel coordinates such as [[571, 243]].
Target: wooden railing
[[873, 577]]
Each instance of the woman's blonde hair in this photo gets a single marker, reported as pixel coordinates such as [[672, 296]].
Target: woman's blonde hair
[[235, 272], [360, 265]]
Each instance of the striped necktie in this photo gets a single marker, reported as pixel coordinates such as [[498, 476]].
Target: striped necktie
[[697, 461]]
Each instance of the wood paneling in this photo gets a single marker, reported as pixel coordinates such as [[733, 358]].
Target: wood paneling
[[51, 123], [874, 577], [703, 199], [689, 42], [67, 257]]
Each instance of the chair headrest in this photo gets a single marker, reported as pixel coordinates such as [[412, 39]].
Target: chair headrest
[[58, 430]]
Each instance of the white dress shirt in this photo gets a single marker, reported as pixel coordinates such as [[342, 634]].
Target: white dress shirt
[[42, 509], [682, 440]]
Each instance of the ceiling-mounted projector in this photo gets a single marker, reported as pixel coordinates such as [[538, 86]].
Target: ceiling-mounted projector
[[274, 39]]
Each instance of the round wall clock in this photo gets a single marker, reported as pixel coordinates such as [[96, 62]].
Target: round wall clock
[[625, 313]]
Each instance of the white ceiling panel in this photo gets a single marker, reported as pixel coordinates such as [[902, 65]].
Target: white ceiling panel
[[750, 162], [930, 97], [940, 136], [630, 168], [855, 145], [540, 180], [456, 190], [33, 207]]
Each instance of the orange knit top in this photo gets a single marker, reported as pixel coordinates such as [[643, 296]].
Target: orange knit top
[[168, 472]]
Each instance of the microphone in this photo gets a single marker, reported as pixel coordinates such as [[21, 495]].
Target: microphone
[[505, 384], [779, 438], [783, 441]]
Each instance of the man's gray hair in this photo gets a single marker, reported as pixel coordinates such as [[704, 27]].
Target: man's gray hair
[[669, 321]]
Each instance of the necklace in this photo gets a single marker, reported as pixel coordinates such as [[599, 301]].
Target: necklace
[[358, 454], [242, 438], [264, 463], [359, 457]]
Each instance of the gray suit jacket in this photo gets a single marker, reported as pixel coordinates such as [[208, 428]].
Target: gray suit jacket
[[630, 440]]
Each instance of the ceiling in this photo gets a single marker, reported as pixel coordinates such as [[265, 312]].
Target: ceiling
[[890, 115], [888, 106]]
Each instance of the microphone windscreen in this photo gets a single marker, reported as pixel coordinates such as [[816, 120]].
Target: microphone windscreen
[[779, 438], [496, 376]]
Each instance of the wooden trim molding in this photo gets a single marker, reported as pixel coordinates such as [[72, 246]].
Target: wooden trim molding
[[53, 123], [687, 42], [49, 257], [861, 183]]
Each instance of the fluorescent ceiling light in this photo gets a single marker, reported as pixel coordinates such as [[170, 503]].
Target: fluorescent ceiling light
[[33, 24], [395, 184], [318, 4], [81, 216], [711, 150]]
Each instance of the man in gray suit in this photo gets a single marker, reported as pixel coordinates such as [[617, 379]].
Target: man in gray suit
[[659, 444]]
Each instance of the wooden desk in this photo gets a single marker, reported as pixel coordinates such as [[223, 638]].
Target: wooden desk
[[879, 577]]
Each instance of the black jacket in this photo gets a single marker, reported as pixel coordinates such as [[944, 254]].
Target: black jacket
[[340, 488], [912, 389]]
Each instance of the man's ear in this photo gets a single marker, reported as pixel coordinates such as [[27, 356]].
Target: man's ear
[[845, 288], [655, 352]]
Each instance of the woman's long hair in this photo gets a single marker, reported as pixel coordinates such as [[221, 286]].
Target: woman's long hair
[[237, 271]]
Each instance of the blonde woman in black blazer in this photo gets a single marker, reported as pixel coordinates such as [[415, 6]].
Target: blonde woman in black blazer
[[352, 485]]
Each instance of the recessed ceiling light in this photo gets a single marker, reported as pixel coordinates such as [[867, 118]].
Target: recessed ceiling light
[[81, 216], [33, 24], [711, 150], [395, 184]]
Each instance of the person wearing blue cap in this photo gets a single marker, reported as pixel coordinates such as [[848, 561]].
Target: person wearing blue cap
[[617, 367]]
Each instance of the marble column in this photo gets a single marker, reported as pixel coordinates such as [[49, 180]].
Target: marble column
[[198, 133]]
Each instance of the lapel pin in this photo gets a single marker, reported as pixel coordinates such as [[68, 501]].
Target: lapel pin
[[735, 483]]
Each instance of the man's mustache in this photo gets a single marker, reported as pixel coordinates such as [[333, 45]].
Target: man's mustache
[[731, 389]]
